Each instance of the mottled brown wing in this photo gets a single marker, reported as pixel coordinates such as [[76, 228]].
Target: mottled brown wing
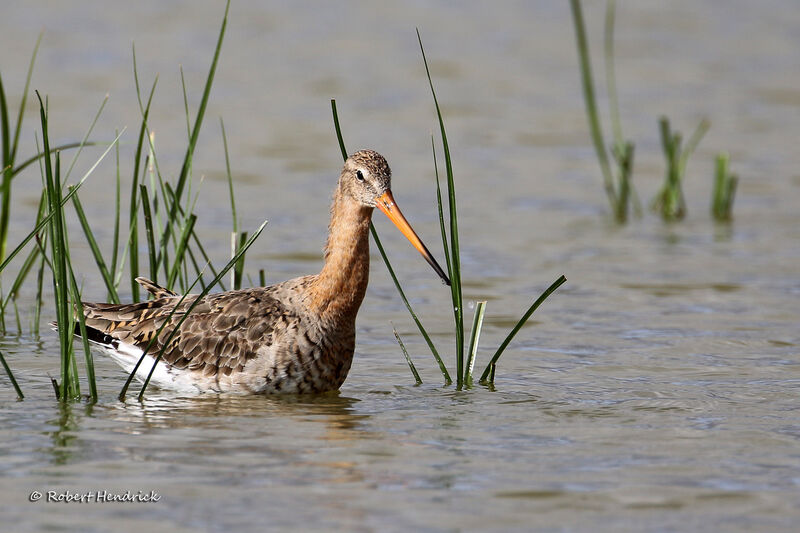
[[220, 335]]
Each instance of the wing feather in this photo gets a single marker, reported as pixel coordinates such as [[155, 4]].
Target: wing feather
[[220, 335]]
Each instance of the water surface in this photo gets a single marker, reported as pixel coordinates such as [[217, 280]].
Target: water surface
[[656, 390]]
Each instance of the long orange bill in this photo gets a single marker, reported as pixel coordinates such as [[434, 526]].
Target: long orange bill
[[386, 204]]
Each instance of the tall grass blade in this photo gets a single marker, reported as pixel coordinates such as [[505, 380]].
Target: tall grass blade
[[186, 105], [197, 242], [490, 367], [59, 253], [187, 160], [148, 229], [154, 172], [5, 137], [377, 240], [133, 211], [24, 101], [53, 149], [180, 249], [9, 148], [96, 253], [37, 308], [24, 270], [46, 220], [85, 139], [455, 256], [338, 130], [117, 212], [76, 299], [591, 105], [699, 132], [669, 200], [228, 174], [445, 248], [611, 81], [236, 238], [408, 357]]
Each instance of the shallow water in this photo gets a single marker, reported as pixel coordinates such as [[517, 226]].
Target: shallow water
[[656, 390]]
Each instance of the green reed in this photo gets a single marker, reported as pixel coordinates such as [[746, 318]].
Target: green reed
[[50, 229], [618, 187], [724, 189], [195, 132], [10, 146], [670, 202], [410, 363], [9, 170], [11, 378], [168, 222], [453, 256], [450, 244], [64, 285]]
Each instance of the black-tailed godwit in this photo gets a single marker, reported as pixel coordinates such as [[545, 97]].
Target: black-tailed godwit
[[295, 337]]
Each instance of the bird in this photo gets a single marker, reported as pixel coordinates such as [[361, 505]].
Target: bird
[[297, 336]]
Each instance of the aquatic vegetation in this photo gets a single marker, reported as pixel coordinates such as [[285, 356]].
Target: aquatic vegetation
[[450, 244], [617, 186], [670, 202], [65, 287], [175, 252], [10, 169], [11, 378], [724, 189], [10, 145]]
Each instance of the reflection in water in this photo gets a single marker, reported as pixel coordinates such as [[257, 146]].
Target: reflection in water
[[65, 435], [165, 411], [286, 437], [254, 432]]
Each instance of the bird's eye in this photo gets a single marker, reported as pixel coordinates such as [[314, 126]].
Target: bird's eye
[[359, 175]]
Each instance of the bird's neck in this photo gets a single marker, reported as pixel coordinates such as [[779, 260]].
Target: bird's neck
[[339, 288]]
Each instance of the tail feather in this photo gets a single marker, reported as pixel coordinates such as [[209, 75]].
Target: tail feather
[[156, 290], [93, 335]]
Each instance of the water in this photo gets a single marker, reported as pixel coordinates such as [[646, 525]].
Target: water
[[656, 390]]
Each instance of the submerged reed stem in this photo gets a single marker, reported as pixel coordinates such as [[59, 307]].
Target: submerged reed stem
[[11, 378], [408, 357], [724, 189], [591, 104]]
